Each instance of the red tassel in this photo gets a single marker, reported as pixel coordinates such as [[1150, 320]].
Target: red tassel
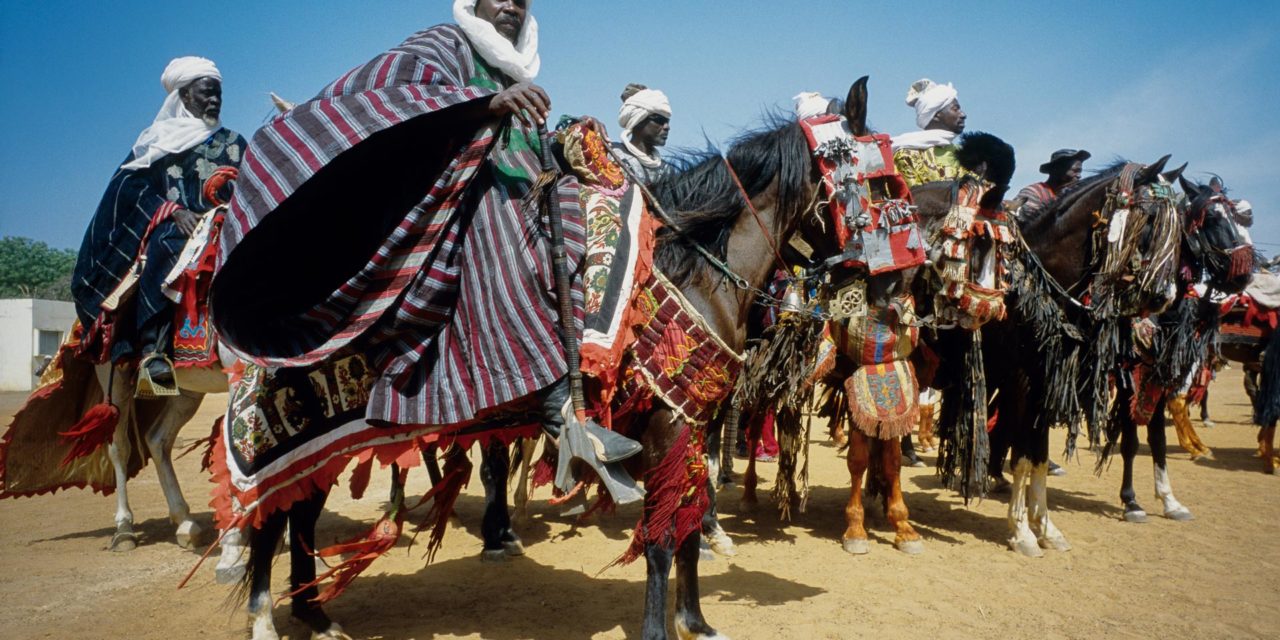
[[1241, 261], [95, 429], [360, 476], [995, 418], [543, 473], [676, 498], [366, 548]]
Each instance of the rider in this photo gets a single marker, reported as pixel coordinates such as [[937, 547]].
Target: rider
[[1064, 169], [180, 168], [434, 269], [645, 118], [929, 155]]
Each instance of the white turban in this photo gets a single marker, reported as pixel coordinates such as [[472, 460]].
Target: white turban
[[641, 105], [928, 98], [175, 129], [810, 104], [519, 61]]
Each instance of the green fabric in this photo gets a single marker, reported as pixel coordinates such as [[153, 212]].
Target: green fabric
[[514, 138]]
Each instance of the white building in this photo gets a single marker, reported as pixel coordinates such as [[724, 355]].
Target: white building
[[30, 332]]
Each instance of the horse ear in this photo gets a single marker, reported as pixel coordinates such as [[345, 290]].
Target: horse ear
[[1148, 174], [855, 107], [1189, 188], [1171, 176]]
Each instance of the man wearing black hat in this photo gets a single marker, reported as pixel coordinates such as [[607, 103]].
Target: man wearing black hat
[[1063, 168]]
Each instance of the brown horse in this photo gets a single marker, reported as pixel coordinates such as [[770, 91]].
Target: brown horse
[[730, 217]]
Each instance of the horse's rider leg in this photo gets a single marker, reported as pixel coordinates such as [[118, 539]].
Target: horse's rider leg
[[118, 387], [689, 621], [905, 538], [854, 539], [177, 412], [1205, 420], [500, 541], [909, 452], [1021, 538], [154, 310], [1047, 534]]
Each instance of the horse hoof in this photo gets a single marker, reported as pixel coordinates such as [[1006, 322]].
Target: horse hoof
[[189, 534], [684, 632], [1028, 548], [124, 541], [494, 555], [1057, 544], [512, 545], [334, 632], [856, 546], [911, 547], [230, 574], [1137, 516], [1181, 514], [721, 543], [262, 627]]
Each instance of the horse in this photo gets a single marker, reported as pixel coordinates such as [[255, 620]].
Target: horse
[[1211, 247], [728, 216], [888, 308], [1052, 358]]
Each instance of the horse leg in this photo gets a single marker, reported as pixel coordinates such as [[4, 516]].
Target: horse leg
[[1164, 491], [232, 559], [1133, 511], [1021, 538], [119, 390], [1047, 534], [527, 447], [927, 442], [263, 543], [177, 412], [1267, 442], [854, 539], [500, 542], [302, 568], [905, 538], [690, 624], [713, 535]]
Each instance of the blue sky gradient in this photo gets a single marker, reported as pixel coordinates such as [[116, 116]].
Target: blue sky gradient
[[1135, 79]]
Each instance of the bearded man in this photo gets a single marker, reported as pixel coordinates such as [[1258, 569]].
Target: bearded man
[[1064, 169], [179, 169], [386, 219], [929, 155], [645, 118]]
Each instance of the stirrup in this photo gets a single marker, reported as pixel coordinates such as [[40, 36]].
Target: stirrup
[[148, 388], [575, 442]]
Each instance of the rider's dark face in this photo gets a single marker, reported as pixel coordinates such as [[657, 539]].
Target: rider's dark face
[[507, 16], [203, 98]]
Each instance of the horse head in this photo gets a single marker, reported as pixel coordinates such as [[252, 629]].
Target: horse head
[[1214, 246]]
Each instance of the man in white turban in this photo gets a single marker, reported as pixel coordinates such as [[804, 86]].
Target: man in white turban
[[180, 167], [645, 118], [929, 155]]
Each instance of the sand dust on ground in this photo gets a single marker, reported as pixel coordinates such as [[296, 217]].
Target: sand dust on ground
[[1214, 577]]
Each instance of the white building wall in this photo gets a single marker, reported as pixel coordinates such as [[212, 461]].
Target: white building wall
[[21, 324]]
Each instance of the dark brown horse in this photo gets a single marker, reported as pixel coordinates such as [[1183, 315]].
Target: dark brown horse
[[742, 209], [1085, 273]]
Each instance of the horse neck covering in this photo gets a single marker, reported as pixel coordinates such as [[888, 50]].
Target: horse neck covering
[[520, 61], [175, 129], [639, 106]]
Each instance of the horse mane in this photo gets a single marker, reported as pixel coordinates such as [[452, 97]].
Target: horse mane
[[1068, 197], [703, 200]]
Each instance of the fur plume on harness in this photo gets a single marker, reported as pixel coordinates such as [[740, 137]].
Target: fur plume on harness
[[978, 148]]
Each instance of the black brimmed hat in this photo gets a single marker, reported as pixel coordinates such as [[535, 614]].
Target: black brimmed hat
[[1063, 157]]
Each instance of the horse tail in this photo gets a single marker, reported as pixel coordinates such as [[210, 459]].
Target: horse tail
[[1266, 402]]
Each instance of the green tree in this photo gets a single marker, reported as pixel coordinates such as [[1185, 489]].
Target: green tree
[[30, 269]]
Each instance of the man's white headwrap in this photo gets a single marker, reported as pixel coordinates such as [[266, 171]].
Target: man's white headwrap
[[810, 104], [928, 98], [175, 129], [519, 61], [639, 106]]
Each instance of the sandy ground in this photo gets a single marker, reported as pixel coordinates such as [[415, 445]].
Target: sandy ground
[[1213, 577]]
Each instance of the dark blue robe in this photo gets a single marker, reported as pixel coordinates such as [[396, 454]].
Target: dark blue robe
[[114, 238]]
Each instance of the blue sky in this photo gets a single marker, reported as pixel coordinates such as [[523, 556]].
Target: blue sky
[[1135, 79]]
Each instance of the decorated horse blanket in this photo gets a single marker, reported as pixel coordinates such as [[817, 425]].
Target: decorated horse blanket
[[32, 452]]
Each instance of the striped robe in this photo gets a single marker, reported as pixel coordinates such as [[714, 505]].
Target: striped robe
[[384, 217]]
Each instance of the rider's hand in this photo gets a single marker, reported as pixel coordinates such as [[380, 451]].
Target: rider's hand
[[526, 101], [596, 126], [185, 221]]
